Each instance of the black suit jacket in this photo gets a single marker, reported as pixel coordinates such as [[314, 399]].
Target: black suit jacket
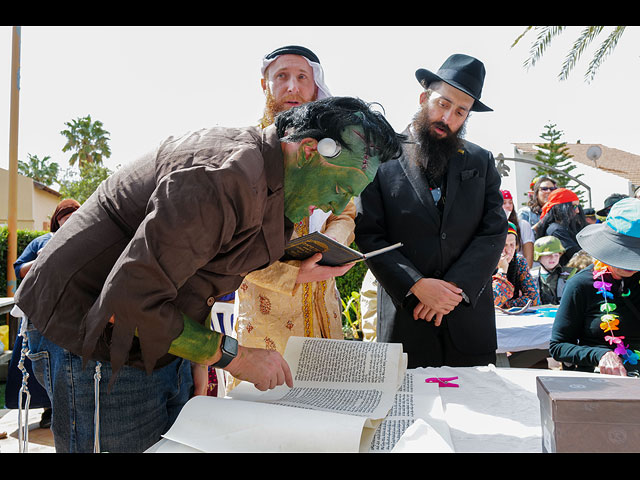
[[463, 246]]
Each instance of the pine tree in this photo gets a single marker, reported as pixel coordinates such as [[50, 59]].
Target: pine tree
[[555, 153]]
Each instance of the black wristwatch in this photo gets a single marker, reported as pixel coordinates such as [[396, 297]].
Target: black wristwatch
[[229, 349]]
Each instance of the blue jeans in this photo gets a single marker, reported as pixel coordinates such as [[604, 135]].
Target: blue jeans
[[134, 414]]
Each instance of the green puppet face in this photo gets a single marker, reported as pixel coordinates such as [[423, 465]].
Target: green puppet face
[[327, 183]]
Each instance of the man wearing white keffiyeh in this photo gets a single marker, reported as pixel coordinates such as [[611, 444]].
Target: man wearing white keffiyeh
[[291, 76], [282, 300]]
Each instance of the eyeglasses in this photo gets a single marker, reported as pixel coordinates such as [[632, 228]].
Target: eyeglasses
[[548, 189]]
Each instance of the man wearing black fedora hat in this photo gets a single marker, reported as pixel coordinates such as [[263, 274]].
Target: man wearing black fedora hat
[[441, 199]]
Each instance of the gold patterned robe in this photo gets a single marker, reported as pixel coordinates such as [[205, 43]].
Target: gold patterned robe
[[272, 307]]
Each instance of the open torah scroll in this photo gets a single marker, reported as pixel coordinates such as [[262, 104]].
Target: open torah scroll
[[342, 391]]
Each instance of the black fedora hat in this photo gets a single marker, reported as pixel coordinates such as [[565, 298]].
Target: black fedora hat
[[462, 72]]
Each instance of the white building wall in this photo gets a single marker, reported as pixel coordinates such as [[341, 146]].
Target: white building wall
[[602, 183]]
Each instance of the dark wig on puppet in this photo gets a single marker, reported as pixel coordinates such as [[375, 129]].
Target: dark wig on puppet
[[328, 117]]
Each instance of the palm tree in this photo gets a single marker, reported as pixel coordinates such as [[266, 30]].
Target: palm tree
[[88, 140], [39, 170], [587, 35]]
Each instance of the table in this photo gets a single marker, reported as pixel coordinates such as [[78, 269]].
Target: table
[[6, 304], [526, 331], [494, 410]]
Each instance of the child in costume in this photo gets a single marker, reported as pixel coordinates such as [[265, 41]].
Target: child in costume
[[549, 275]]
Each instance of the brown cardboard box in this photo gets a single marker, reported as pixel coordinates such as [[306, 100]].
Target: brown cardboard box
[[589, 414]]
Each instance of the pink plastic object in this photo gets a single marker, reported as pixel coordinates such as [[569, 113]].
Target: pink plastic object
[[443, 382]]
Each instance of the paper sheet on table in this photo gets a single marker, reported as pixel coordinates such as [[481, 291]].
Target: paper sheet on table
[[212, 424]]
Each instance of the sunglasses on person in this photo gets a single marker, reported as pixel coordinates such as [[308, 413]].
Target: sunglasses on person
[[548, 189]]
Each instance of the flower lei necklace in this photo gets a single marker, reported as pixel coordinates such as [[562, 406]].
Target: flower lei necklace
[[609, 319]]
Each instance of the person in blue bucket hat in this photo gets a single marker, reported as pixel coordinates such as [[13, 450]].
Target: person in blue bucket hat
[[616, 241], [597, 326]]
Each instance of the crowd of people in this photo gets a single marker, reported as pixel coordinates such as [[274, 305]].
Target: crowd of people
[[123, 294], [567, 242], [541, 241]]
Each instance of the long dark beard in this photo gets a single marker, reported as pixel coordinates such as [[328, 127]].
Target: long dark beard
[[432, 153]]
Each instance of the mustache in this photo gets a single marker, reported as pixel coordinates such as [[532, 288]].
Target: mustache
[[292, 97], [282, 104], [442, 126], [273, 107]]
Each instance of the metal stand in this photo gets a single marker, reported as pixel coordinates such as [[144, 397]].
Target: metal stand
[[96, 420], [23, 426]]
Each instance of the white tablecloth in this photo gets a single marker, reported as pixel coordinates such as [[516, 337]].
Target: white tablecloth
[[494, 410], [526, 331]]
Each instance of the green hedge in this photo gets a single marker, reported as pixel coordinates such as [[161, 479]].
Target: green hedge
[[352, 280], [24, 238], [349, 282]]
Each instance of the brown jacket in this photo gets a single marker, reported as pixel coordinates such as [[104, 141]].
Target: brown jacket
[[165, 234]]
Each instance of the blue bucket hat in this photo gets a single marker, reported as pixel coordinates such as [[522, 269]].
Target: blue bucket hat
[[616, 241]]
